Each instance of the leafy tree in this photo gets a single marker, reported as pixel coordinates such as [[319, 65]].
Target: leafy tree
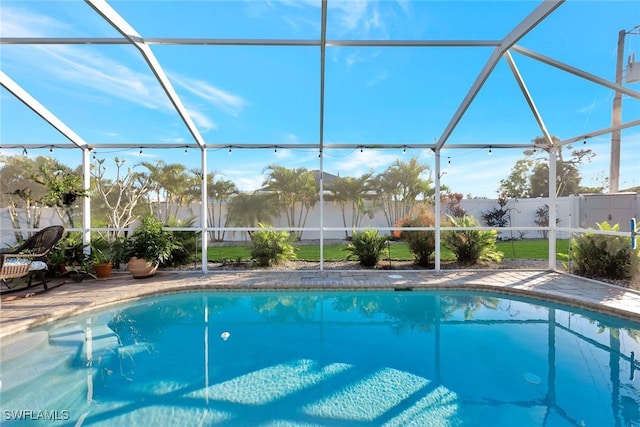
[[119, 198], [28, 185], [296, 193], [399, 188], [350, 192], [530, 175]]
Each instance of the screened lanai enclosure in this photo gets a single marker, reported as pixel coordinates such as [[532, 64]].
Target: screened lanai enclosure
[[322, 118]]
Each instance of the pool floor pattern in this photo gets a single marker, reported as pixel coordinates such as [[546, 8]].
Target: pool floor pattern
[[18, 313]]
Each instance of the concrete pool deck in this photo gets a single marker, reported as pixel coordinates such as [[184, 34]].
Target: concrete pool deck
[[19, 312]]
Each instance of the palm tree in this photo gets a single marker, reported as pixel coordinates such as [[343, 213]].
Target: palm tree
[[352, 191], [155, 183], [170, 183], [219, 191], [399, 188], [296, 193], [247, 210]]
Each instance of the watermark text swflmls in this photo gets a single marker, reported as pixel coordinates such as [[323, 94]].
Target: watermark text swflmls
[[35, 415]]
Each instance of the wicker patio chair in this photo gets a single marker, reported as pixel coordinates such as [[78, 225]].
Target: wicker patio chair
[[30, 258]]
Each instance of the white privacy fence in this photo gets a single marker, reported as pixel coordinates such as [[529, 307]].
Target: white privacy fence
[[574, 212]]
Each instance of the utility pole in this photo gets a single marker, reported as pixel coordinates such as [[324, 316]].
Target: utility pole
[[616, 114], [616, 120]]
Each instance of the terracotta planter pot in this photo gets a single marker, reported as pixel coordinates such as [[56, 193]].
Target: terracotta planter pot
[[140, 268], [103, 270]]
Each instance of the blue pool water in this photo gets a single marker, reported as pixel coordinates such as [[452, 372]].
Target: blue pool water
[[326, 359]]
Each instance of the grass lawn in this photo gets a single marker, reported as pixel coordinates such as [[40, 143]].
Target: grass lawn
[[522, 249]]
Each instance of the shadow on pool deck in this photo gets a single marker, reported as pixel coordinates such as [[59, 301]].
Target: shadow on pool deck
[[19, 311]]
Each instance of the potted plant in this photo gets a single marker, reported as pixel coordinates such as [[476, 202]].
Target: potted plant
[[102, 257], [63, 188], [80, 269], [57, 259], [147, 247]]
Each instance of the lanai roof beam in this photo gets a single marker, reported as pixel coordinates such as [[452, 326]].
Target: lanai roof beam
[[533, 19], [123, 27], [28, 100]]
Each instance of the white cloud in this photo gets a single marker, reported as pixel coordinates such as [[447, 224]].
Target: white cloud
[[89, 69], [223, 100], [80, 66], [352, 13], [244, 181], [202, 121], [353, 58], [362, 162], [379, 77], [15, 22], [85, 67], [367, 18]]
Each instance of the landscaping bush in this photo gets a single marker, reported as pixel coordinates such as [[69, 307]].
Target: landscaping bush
[[186, 252], [271, 246], [469, 246], [368, 246], [422, 243], [604, 256]]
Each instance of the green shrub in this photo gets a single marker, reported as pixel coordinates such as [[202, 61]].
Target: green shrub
[[604, 256], [422, 244], [469, 246], [271, 247], [186, 252], [151, 242], [367, 246]]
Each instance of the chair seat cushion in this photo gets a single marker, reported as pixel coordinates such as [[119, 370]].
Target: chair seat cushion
[[38, 266], [17, 261]]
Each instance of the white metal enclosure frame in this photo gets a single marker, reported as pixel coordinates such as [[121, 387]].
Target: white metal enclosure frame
[[502, 50]]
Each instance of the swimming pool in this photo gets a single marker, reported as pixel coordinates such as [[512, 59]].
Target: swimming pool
[[327, 359]]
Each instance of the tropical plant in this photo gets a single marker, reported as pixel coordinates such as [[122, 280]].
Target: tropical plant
[[604, 256], [499, 216], [295, 191], [72, 249], [542, 219], [349, 192], [450, 203], [150, 242], [172, 186], [185, 252], [368, 246], [469, 246], [399, 187], [101, 251], [422, 243], [249, 210], [219, 192], [271, 246]]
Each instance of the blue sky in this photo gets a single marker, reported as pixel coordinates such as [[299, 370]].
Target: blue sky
[[268, 95]]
